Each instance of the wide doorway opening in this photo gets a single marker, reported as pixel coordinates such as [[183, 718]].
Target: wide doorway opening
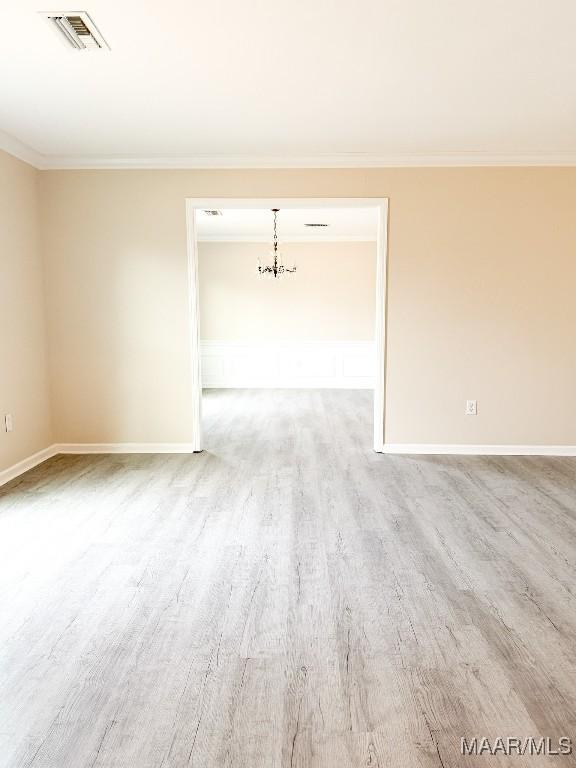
[[287, 320]]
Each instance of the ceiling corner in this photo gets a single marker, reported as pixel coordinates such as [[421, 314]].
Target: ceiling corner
[[16, 148]]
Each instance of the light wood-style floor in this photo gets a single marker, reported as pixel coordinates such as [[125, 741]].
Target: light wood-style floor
[[287, 599]]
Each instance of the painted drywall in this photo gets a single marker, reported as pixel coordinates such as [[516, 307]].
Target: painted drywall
[[330, 297], [481, 276], [23, 372]]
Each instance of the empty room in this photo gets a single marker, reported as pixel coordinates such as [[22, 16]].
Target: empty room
[[287, 434]]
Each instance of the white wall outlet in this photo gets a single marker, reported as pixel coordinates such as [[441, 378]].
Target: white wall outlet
[[471, 408], [8, 422]]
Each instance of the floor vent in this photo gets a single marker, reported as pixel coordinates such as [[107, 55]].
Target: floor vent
[[78, 30]]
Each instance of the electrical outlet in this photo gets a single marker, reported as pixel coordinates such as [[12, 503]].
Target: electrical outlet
[[471, 408], [8, 422]]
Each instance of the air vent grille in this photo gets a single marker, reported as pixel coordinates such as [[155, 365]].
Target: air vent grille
[[78, 25], [78, 30]]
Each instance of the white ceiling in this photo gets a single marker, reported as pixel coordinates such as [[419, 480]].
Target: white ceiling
[[293, 82], [257, 224]]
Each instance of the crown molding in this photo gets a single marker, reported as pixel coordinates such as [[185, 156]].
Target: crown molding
[[356, 160], [17, 148], [42, 162], [289, 239]]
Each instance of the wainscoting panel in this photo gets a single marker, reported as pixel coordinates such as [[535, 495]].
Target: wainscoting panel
[[287, 364]]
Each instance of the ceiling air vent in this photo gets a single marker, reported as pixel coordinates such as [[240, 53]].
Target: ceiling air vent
[[78, 29], [315, 225], [213, 213]]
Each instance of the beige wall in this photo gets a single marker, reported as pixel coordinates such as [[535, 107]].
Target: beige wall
[[329, 298], [482, 270], [117, 301], [23, 375]]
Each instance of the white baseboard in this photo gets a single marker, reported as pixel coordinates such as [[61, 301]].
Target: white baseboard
[[288, 364], [85, 448], [479, 450], [26, 464]]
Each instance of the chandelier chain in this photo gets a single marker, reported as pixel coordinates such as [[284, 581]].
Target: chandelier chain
[[276, 269]]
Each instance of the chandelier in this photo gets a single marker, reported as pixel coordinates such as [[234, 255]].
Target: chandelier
[[277, 269]]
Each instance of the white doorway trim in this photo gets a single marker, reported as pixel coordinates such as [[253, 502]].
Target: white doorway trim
[[194, 204]]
